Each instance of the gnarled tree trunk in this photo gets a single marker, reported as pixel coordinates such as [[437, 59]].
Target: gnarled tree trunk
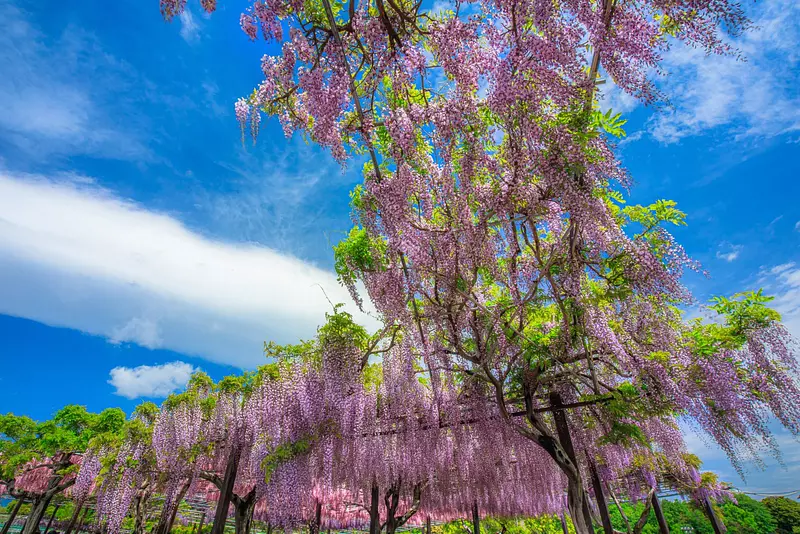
[[392, 500], [167, 517], [140, 507], [226, 492], [374, 513], [243, 511]]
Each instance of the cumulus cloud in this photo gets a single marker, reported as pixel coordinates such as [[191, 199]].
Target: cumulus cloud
[[154, 381], [77, 256], [756, 97]]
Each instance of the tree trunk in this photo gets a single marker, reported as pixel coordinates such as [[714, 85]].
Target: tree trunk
[[12, 516], [74, 519], [37, 513], [642, 521], [577, 497], [243, 516], [428, 525], [52, 516], [476, 520], [243, 511], [225, 493], [314, 525], [139, 508], [662, 522], [716, 522], [167, 517], [600, 497], [374, 512]]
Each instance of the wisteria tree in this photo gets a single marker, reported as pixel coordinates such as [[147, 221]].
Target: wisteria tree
[[493, 230]]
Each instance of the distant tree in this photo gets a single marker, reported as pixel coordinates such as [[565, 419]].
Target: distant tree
[[748, 516], [40, 460], [786, 513]]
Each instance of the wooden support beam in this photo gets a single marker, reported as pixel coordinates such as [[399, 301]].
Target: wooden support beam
[[662, 522]]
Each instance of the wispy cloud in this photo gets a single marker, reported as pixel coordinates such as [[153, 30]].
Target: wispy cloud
[[268, 201], [190, 29], [53, 97], [77, 256], [756, 97], [783, 282], [152, 381], [728, 252]]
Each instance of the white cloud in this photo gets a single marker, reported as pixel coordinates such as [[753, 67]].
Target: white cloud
[[610, 96], [783, 282], [144, 332], [154, 381], [797, 226], [57, 98], [190, 30], [76, 256], [728, 252], [754, 97]]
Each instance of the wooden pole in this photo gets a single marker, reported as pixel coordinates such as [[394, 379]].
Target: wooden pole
[[52, 516], [600, 497], [12, 516], [428, 525], [716, 522], [202, 522], [662, 522], [564, 528], [476, 520], [74, 519], [83, 518]]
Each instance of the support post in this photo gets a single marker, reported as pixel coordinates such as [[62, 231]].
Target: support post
[[83, 519], [74, 519], [428, 525], [12, 516], [663, 528], [716, 522], [476, 520], [52, 516], [564, 528], [600, 497], [202, 522]]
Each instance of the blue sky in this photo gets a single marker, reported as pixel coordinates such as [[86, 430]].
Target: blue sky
[[140, 240]]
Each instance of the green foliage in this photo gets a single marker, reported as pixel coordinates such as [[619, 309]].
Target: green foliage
[[340, 330], [747, 516], [739, 316], [786, 513], [611, 124], [282, 454], [358, 252], [70, 430]]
